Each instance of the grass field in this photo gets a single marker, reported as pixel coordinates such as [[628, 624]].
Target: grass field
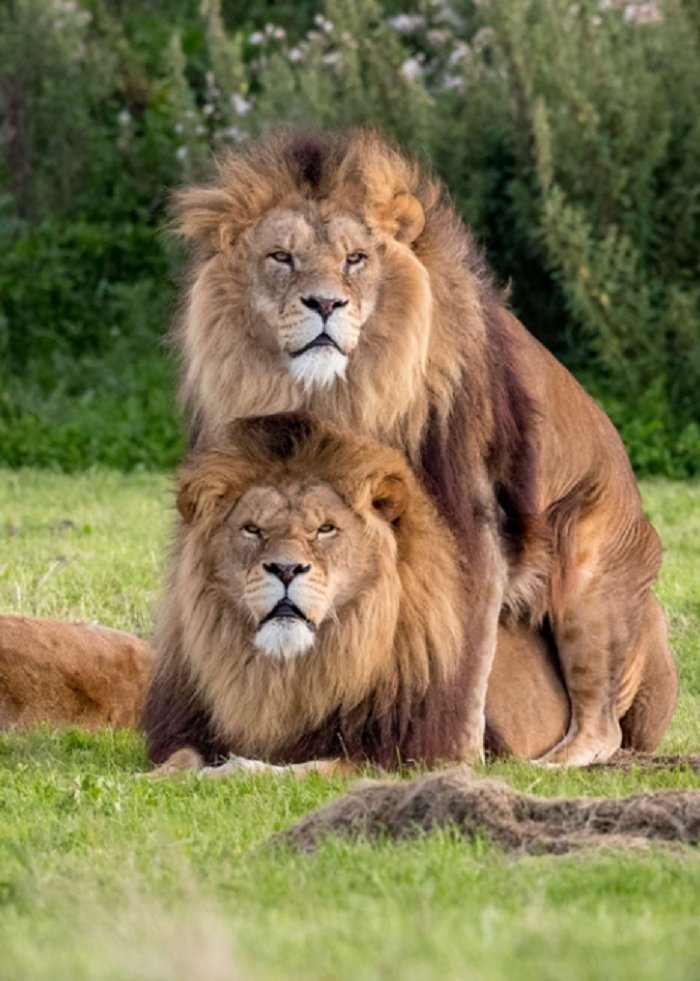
[[106, 876]]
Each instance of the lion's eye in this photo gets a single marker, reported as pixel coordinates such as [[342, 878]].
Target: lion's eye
[[281, 256], [251, 530], [355, 258], [326, 529]]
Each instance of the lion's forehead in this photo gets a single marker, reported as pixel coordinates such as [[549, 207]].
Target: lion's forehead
[[311, 230], [294, 505]]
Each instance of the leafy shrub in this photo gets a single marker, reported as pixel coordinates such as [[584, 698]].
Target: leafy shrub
[[567, 133]]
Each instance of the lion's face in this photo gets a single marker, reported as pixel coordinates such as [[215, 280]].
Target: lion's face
[[315, 281], [291, 557]]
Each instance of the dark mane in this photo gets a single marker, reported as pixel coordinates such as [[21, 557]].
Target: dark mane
[[309, 154], [281, 434], [175, 716]]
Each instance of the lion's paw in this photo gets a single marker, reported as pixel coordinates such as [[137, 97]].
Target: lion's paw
[[579, 750], [186, 760]]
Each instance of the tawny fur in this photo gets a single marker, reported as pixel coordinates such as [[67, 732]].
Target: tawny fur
[[529, 472], [528, 710], [70, 673], [387, 678]]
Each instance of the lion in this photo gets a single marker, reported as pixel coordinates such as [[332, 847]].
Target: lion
[[313, 612], [64, 673], [332, 275]]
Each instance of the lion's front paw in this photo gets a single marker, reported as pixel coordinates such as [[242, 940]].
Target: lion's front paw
[[240, 764], [186, 760]]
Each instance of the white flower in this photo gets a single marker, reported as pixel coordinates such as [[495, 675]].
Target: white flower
[[406, 23], [642, 13], [438, 36], [181, 153], [294, 55], [323, 23], [445, 13], [483, 38], [411, 70], [279, 34], [208, 109], [460, 52], [333, 59], [452, 83], [240, 105], [124, 117], [233, 133], [256, 37]]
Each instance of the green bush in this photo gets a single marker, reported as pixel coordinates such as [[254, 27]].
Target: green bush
[[567, 133]]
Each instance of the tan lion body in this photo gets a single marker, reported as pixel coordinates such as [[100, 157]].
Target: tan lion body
[[70, 673], [334, 277], [383, 678]]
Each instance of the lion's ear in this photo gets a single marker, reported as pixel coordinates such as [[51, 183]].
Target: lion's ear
[[403, 218], [204, 214], [202, 490], [389, 498]]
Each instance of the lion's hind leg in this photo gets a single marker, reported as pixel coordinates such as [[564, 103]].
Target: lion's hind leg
[[646, 719], [597, 627]]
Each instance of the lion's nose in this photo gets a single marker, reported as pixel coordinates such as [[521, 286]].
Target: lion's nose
[[323, 305], [285, 571]]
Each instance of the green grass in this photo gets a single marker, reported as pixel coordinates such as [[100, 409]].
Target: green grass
[[104, 875]]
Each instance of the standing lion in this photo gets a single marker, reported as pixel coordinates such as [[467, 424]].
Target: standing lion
[[332, 275]]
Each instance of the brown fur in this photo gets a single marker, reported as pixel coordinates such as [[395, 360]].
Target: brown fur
[[60, 673], [527, 469], [388, 677]]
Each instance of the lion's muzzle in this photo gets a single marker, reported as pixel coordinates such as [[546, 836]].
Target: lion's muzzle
[[321, 340], [286, 610]]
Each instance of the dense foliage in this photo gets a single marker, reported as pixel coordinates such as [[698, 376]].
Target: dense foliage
[[567, 132]]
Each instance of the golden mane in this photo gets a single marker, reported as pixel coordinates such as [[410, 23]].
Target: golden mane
[[357, 169]]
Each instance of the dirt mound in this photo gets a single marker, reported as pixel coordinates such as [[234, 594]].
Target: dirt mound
[[628, 759], [517, 822]]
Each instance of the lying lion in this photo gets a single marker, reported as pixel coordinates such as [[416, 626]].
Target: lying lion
[[314, 612], [70, 673]]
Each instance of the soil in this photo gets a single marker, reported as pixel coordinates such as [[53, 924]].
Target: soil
[[517, 822]]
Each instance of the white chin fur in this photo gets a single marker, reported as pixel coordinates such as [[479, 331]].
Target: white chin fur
[[319, 367], [284, 638]]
